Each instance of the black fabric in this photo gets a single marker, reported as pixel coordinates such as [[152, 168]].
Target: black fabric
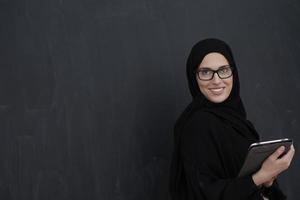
[[211, 141]]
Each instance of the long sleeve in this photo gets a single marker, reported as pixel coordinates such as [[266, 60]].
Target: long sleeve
[[274, 192], [205, 186], [205, 170]]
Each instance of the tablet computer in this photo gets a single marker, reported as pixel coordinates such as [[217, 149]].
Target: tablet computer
[[258, 152]]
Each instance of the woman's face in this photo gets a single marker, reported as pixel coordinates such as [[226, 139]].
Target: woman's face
[[215, 90]]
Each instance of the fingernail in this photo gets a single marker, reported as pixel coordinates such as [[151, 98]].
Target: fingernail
[[282, 148]]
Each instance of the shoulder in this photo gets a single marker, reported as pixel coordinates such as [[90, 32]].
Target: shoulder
[[200, 119], [199, 125]]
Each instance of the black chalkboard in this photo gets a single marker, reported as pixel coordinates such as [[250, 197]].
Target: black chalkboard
[[90, 89]]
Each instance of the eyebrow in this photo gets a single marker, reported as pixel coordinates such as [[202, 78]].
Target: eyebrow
[[208, 68]]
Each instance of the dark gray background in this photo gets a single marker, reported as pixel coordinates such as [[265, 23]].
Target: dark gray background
[[90, 89]]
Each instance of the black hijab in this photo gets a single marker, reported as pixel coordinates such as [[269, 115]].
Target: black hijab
[[198, 52], [231, 111]]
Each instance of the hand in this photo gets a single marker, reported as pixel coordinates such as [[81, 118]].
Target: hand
[[273, 166], [269, 183]]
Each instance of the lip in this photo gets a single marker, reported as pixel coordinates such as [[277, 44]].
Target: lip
[[217, 90]]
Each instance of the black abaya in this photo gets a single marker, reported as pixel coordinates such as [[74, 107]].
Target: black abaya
[[211, 142]]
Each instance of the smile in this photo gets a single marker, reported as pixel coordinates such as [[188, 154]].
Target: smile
[[217, 91]]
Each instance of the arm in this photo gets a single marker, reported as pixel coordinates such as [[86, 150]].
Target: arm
[[204, 170], [273, 192], [206, 186], [273, 166]]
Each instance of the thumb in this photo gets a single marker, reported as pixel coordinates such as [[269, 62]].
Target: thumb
[[277, 153]]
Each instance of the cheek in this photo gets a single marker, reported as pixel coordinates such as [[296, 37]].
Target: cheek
[[229, 84], [203, 85]]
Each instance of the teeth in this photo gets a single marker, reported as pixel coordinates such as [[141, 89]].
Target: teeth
[[217, 89]]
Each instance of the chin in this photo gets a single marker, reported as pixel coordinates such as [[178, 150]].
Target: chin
[[217, 99]]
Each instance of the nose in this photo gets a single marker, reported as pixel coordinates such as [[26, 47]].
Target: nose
[[216, 79]]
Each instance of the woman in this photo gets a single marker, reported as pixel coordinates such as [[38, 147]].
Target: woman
[[212, 135]]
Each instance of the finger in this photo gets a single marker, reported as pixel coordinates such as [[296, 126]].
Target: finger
[[286, 160], [292, 147], [277, 153], [289, 155]]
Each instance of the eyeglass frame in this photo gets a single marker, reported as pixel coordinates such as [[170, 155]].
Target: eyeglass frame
[[215, 71]]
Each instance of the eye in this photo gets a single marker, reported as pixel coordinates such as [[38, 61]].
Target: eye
[[224, 70], [205, 72]]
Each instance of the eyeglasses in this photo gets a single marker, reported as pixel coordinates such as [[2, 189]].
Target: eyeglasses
[[207, 74]]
